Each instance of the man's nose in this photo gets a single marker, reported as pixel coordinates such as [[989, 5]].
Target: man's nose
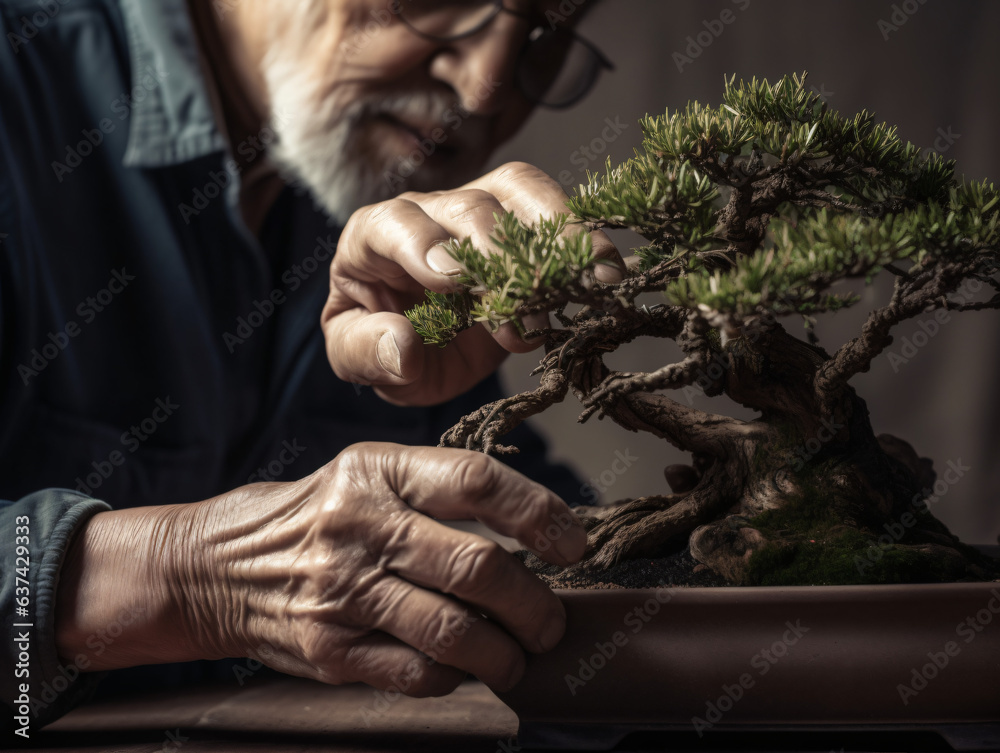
[[481, 68]]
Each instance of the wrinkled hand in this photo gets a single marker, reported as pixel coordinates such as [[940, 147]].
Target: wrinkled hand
[[390, 252], [344, 576]]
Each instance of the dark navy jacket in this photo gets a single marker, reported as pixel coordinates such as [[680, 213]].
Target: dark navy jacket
[[152, 350]]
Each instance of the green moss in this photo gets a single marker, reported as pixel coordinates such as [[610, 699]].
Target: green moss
[[812, 547], [809, 516], [848, 559]]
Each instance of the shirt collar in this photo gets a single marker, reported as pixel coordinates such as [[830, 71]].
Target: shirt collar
[[172, 120]]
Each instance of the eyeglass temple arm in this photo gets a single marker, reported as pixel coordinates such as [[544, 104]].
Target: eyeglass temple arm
[[605, 63]]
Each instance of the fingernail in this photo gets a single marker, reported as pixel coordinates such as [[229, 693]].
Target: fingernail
[[388, 356], [572, 543], [441, 262], [608, 275]]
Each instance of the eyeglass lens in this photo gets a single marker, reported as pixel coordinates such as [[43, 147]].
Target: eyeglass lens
[[556, 68]]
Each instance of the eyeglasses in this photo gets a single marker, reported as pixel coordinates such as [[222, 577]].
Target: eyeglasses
[[556, 68]]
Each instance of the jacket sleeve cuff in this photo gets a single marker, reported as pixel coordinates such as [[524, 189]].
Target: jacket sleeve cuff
[[50, 518]]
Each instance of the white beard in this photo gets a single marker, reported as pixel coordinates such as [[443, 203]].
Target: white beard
[[318, 140]]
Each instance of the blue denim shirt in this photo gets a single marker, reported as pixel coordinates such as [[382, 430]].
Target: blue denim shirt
[[153, 349]]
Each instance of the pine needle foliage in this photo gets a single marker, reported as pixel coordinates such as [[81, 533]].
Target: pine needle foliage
[[528, 266], [757, 206]]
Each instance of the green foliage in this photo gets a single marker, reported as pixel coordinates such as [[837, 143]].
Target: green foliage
[[808, 256], [670, 204], [441, 318], [529, 266], [757, 206]]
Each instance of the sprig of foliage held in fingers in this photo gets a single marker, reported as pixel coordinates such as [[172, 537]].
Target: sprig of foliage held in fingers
[[529, 266]]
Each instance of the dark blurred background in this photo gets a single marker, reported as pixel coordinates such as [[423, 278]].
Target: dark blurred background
[[931, 67]]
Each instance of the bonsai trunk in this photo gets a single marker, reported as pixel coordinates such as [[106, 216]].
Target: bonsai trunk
[[806, 493]]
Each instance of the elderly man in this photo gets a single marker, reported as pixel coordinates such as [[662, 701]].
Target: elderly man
[[161, 275]]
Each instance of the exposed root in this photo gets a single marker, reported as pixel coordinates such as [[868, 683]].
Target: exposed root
[[645, 527], [726, 546]]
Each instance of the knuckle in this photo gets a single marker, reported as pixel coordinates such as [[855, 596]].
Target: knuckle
[[349, 462], [354, 459], [475, 474], [530, 508], [414, 196], [471, 203], [519, 171], [318, 650], [347, 476], [443, 631], [475, 567], [381, 212]]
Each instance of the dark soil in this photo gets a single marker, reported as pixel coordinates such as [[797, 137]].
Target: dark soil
[[676, 569]]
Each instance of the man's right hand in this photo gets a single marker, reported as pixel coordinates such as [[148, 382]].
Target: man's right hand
[[343, 576], [391, 251]]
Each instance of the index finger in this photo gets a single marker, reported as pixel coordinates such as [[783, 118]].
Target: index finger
[[531, 193], [453, 484]]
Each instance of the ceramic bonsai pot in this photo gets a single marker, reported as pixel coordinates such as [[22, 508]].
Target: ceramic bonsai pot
[[710, 660]]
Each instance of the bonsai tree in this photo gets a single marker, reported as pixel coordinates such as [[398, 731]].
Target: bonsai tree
[[754, 212]]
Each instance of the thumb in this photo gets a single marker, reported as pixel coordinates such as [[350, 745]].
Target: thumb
[[374, 349]]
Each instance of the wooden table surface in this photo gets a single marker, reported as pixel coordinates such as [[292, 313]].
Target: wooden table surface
[[280, 714], [286, 715]]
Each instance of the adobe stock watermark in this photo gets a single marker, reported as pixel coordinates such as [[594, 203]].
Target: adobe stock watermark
[[607, 478], [944, 139], [384, 699], [806, 451], [822, 92], [364, 34], [253, 664], [173, 740], [30, 25], [762, 661], [605, 651], [130, 440], [251, 148], [293, 278], [98, 642], [509, 745], [451, 120], [717, 367], [896, 531], [911, 345], [968, 630], [93, 138], [585, 156], [699, 42], [563, 12], [901, 13], [290, 452], [88, 309]]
